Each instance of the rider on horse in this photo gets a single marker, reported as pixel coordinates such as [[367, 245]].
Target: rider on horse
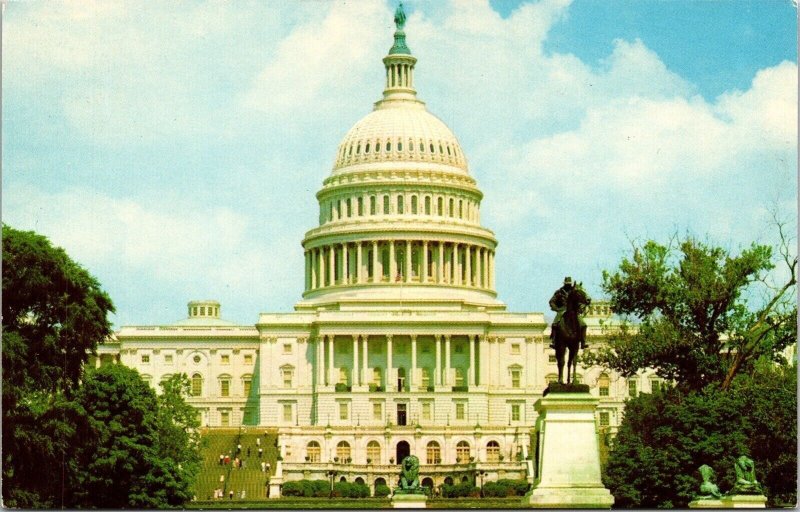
[[559, 304]]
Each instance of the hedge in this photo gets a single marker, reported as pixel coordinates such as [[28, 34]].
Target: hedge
[[462, 490], [307, 489], [381, 491], [505, 488]]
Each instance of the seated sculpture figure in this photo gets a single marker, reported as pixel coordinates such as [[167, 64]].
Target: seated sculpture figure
[[409, 476], [746, 482], [708, 489]]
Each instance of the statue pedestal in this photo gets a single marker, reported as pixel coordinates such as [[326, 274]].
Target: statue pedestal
[[733, 501], [569, 457], [409, 500]]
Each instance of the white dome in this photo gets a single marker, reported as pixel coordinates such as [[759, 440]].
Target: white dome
[[400, 131]]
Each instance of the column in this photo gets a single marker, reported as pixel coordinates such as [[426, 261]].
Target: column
[[491, 270], [529, 367], [447, 360], [408, 261], [454, 273], [314, 262], [471, 373], [440, 263], [392, 262], [424, 265], [345, 264], [468, 262], [308, 271], [485, 269], [388, 362], [376, 272], [332, 267], [321, 259], [356, 380], [413, 376], [320, 360], [359, 264], [331, 376], [437, 372], [364, 367], [483, 357]]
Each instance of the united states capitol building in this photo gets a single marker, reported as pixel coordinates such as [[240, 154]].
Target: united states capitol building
[[400, 344]]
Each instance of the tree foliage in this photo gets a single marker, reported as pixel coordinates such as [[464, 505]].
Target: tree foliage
[[704, 314], [665, 437], [122, 462], [54, 315], [75, 438]]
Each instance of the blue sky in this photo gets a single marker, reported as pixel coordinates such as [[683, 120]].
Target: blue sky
[[174, 149]]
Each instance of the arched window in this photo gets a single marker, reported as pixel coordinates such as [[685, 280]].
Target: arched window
[[427, 205], [388, 146], [439, 206], [410, 146], [313, 451], [366, 150], [149, 380], [197, 385], [460, 209], [433, 453], [360, 206], [462, 452], [421, 147], [450, 207], [492, 451], [431, 147], [400, 204], [603, 384], [400, 145], [414, 205], [386, 205], [343, 451], [378, 147], [373, 452], [358, 148]]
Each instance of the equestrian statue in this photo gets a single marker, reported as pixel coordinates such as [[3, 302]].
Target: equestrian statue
[[568, 331]]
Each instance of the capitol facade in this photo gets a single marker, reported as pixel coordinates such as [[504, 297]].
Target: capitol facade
[[399, 344]]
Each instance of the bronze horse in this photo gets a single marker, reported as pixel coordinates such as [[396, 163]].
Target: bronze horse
[[569, 334]]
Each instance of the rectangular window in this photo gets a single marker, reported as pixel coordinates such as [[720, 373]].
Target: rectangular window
[[168, 359], [515, 412], [515, 378], [461, 410], [632, 388], [225, 387], [377, 411], [225, 359], [246, 386], [343, 411], [655, 385], [287, 348], [515, 350], [604, 419], [603, 390], [248, 359], [551, 358], [426, 411], [145, 358], [287, 378], [287, 413], [225, 418]]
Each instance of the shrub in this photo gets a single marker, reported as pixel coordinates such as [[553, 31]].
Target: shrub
[[306, 488], [294, 488], [504, 488], [381, 491], [462, 490]]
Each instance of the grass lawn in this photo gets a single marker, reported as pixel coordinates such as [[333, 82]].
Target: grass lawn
[[345, 503]]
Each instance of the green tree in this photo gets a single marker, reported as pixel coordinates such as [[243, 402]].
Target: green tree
[[54, 315], [665, 437], [704, 314], [178, 425], [125, 460]]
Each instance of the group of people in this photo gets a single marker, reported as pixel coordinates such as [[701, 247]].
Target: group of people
[[220, 494], [238, 461]]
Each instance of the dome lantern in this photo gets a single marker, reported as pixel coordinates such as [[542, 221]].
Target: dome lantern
[[399, 64]]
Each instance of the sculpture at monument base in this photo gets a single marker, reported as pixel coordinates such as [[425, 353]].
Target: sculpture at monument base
[[746, 482], [708, 489], [409, 493], [746, 491]]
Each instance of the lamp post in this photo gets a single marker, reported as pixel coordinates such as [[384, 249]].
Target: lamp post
[[332, 474], [482, 474]]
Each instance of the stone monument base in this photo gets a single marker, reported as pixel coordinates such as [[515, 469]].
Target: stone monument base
[[568, 497], [409, 500], [733, 501]]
